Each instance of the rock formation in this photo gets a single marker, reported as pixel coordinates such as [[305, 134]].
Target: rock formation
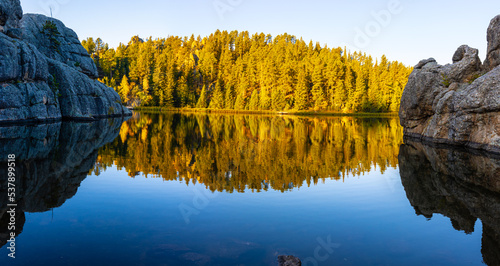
[[457, 103], [461, 185], [287, 260], [46, 74], [52, 160]]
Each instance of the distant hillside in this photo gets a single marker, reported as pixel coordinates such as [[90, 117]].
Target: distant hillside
[[233, 70]]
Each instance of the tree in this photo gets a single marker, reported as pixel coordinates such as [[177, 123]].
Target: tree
[[254, 101], [202, 101], [183, 92], [144, 95], [229, 97], [89, 45], [236, 71], [278, 99], [302, 92], [124, 90], [217, 101], [318, 95]]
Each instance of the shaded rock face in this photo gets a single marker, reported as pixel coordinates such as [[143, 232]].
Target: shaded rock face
[[10, 14], [493, 52], [457, 103], [46, 74], [461, 185], [51, 162]]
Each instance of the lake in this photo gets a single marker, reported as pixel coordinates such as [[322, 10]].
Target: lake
[[213, 189]]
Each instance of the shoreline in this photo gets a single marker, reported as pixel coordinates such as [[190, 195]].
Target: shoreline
[[264, 112]]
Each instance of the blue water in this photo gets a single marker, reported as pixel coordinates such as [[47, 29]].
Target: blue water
[[115, 219]]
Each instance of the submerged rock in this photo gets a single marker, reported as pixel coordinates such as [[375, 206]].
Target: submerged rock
[[46, 74], [457, 103], [288, 261]]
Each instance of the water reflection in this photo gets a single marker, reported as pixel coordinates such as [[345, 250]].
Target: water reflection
[[461, 185], [239, 153], [51, 162], [243, 154]]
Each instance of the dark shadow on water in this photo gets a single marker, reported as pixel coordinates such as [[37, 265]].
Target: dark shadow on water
[[460, 184], [51, 162]]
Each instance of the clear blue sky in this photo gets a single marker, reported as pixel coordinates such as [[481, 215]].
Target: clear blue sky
[[415, 29]]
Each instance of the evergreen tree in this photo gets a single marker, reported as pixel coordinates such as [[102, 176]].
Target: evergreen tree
[[278, 100], [318, 95], [217, 101], [231, 70], [202, 101], [124, 90], [229, 97], [302, 92], [254, 101], [183, 92]]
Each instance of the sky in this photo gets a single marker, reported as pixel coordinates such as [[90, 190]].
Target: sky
[[403, 30]]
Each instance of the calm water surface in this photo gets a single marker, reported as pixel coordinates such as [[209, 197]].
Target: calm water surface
[[185, 189]]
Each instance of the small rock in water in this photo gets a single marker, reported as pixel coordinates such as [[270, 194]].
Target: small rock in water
[[284, 260]]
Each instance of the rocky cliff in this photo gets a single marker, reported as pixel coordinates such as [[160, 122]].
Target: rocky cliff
[[46, 74], [457, 103]]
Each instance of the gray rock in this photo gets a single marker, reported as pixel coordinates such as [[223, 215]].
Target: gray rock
[[46, 74], [493, 37], [425, 62], [84, 98], [9, 59], [64, 47], [455, 103], [466, 65], [28, 102], [288, 261], [10, 14], [20, 61]]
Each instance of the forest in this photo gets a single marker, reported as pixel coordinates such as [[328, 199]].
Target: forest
[[236, 71], [234, 153]]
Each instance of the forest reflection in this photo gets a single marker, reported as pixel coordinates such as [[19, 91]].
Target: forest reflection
[[249, 152]]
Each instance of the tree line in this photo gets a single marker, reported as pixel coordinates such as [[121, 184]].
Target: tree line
[[234, 153], [233, 70]]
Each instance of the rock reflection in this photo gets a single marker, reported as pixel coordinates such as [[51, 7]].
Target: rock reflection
[[51, 162], [459, 184]]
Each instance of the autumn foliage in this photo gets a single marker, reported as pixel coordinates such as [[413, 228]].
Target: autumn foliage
[[233, 70]]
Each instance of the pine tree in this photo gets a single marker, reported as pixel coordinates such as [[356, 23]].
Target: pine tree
[[236, 71], [302, 92], [349, 85], [202, 101], [239, 104], [254, 101], [229, 97], [241, 98], [144, 96], [124, 90], [318, 95], [217, 101], [278, 99]]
